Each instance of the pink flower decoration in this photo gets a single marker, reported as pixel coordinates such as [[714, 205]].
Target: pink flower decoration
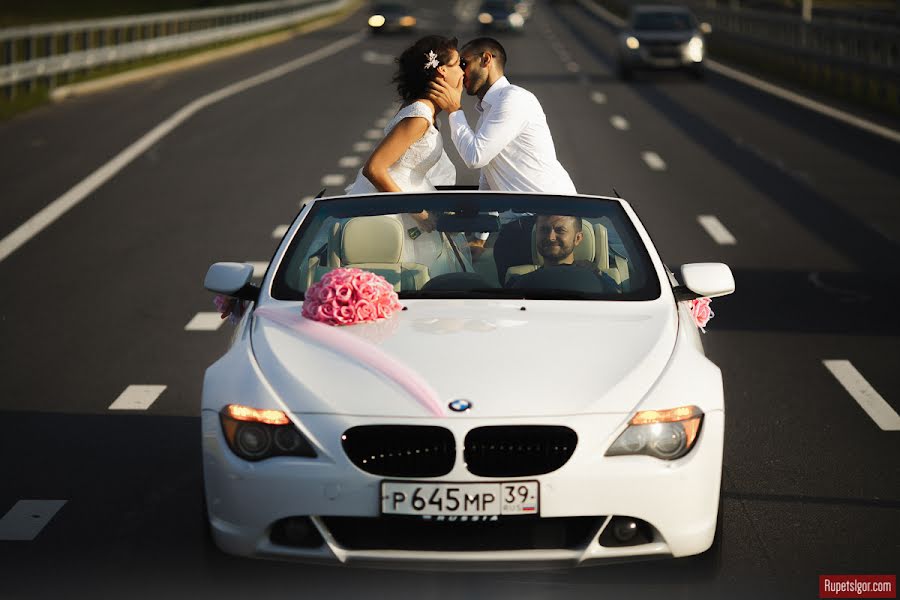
[[230, 308], [349, 295], [701, 312]]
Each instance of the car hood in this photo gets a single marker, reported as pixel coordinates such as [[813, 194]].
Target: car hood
[[522, 358], [649, 36]]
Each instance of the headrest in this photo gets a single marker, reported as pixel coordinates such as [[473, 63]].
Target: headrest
[[372, 240], [583, 251]]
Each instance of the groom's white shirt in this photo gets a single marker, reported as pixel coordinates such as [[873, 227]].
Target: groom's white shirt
[[511, 143]]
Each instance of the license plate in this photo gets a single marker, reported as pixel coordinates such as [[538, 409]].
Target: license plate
[[502, 498]]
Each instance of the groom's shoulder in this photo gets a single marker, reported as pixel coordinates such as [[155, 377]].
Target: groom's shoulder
[[517, 92]]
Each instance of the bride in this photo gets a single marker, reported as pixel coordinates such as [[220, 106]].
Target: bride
[[411, 157]]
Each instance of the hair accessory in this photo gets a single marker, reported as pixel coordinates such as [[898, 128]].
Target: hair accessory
[[432, 60]]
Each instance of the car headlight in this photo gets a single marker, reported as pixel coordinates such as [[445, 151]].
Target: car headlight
[[485, 19], [407, 21], [632, 42], [695, 49], [255, 434], [664, 434], [376, 21], [516, 20]]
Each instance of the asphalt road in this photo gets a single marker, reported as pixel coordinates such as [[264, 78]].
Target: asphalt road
[[100, 300]]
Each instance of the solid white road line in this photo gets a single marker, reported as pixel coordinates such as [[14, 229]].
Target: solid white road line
[[619, 122], [27, 518], [349, 162], [333, 179], [598, 97], [654, 161], [362, 146], [50, 213], [137, 397], [716, 230], [803, 101], [373, 134], [279, 231], [865, 395], [205, 321], [259, 268]]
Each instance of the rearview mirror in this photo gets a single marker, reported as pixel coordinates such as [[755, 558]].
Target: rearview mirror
[[707, 280], [231, 279], [470, 223]]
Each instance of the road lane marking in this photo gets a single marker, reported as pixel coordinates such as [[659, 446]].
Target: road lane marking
[[27, 518], [53, 211], [716, 230], [619, 122], [349, 162], [803, 101], [382, 122], [377, 58], [137, 397], [205, 321], [333, 180], [654, 161], [374, 134], [259, 267], [279, 231], [305, 200], [362, 146], [865, 395], [598, 97]]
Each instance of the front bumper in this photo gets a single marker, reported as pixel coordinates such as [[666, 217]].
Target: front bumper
[[679, 499]]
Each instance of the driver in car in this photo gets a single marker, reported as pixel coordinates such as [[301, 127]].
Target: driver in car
[[557, 236]]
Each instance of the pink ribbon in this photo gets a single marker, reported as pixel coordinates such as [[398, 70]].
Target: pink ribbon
[[366, 354]]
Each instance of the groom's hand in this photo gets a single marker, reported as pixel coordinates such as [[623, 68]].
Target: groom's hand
[[444, 95]]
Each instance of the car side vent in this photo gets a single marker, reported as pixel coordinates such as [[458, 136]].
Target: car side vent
[[516, 451], [401, 450]]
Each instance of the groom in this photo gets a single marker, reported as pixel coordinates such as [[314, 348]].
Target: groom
[[511, 143]]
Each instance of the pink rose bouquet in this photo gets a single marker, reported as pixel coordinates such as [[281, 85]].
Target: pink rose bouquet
[[347, 296], [701, 312]]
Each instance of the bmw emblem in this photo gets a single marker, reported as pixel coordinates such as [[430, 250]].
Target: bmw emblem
[[460, 405]]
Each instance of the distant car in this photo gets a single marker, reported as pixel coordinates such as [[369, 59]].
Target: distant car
[[551, 415], [662, 37], [393, 17], [501, 15]]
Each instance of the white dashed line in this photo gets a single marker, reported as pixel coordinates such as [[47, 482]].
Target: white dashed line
[[362, 146], [259, 268], [333, 180], [374, 134], [716, 230], [205, 321], [573, 67], [53, 211], [137, 397], [279, 231], [27, 518], [390, 112], [619, 122], [349, 162], [382, 122], [305, 200], [598, 97], [865, 395], [654, 161]]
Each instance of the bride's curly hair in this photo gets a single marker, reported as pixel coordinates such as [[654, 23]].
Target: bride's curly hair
[[413, 75]]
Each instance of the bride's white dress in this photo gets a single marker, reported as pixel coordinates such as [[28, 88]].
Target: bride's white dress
[[424, 165]]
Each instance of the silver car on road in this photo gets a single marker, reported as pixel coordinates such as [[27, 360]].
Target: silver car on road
[[662, 37]]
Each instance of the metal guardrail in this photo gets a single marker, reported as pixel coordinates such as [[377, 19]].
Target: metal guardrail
[[53, 51]]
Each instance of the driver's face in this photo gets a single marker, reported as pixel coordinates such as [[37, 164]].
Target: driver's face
[[557, 237]]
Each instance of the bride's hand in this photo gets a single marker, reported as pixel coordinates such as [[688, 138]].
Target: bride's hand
[[427, 222]]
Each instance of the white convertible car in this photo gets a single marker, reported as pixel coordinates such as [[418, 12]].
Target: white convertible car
[[541, 400]]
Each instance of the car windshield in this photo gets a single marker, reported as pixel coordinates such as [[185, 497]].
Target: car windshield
[[473, 246], [663, 21]]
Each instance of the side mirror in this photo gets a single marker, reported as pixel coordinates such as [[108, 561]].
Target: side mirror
[[231, 279], [705, 280], [706, 28]]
